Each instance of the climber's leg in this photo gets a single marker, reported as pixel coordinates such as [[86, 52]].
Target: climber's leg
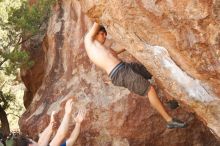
[[125, 76], [156, 103]]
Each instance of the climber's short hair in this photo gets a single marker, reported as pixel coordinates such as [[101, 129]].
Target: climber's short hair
[[21, 140], [102, 29]]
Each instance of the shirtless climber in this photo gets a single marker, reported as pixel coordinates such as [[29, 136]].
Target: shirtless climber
[[133, 76]]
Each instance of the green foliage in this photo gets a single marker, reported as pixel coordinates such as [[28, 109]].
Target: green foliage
[[19, 24], [22, 25], [29, 19], [18, 59], [5, 99]]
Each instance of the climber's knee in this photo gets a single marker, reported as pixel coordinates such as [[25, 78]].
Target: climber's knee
[[150, 91]]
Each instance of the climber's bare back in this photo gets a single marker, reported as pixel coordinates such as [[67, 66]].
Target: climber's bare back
[[100, 55]]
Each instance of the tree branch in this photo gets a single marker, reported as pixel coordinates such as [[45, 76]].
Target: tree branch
[[13, 114], [29, 37], [2, 62], [4, 100]]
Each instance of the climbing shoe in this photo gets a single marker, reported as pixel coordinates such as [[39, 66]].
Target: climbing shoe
[[172, 104], [175, 123]]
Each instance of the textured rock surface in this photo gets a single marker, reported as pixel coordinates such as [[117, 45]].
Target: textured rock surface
[[115, 116], [177, 41], [32, 78]]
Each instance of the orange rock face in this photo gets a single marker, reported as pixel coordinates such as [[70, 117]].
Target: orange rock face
[[176, 41]]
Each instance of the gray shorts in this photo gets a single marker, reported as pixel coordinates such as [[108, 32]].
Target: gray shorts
[[132, 76]]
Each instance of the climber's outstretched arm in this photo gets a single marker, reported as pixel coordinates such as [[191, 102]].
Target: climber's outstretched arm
[[120, 51], [63, 129], [46, 134], [116, 53], [92, 32], [79, 118]]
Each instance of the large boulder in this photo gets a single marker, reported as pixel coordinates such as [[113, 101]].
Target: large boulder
[[177, 41], [156, 33]]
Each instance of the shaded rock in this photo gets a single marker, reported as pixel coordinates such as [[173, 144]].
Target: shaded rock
[[33, 77]]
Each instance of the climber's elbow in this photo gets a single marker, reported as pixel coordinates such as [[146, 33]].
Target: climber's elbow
[[88, 39]]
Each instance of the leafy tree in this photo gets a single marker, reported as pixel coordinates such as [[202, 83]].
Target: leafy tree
[[21, 25], [5, 99]]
